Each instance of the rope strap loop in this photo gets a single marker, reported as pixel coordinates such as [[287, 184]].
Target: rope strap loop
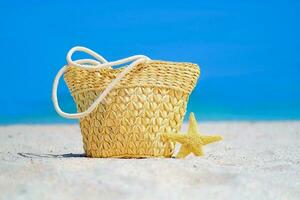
[[90, 64]]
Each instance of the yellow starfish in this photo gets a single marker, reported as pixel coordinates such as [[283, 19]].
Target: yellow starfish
[[193, 141]]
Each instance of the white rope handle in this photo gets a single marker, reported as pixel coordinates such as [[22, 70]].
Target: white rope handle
[[89, 64]]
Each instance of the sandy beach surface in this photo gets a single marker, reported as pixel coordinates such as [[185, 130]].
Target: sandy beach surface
[[256, 160]]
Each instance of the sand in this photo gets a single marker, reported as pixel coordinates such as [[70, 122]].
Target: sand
[[255, 161]]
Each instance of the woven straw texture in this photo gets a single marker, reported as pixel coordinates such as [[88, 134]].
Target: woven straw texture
[[150, 100]]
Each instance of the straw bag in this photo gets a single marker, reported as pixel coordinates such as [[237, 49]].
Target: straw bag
[[123, 111]]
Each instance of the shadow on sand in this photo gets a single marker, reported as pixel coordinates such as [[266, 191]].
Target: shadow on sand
[[67, 155]]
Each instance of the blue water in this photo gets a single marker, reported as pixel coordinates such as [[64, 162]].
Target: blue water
[[248, 52]]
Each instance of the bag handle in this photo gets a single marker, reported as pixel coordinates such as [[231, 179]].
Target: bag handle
[[90, 64]]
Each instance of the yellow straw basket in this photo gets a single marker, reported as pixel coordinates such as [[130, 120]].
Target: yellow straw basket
[[124, 111]]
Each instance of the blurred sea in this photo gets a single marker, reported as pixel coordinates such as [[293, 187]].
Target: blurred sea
[[248, 52]]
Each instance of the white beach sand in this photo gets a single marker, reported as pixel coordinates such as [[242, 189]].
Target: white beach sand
[[255, 161]]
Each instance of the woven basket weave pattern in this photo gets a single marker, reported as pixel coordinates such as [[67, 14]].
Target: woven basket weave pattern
[[148, 101]]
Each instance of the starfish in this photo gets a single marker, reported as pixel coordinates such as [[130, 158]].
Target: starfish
[[193, 141]]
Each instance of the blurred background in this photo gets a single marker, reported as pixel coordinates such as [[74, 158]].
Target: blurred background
[[248, 51]]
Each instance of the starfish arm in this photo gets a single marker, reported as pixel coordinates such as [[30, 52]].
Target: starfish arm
[[193, 127], [198, 151], [210, 139], [183, 152], [169, 136], [174, 137]]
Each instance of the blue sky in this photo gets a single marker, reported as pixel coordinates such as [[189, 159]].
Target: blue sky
[[248, 51]]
